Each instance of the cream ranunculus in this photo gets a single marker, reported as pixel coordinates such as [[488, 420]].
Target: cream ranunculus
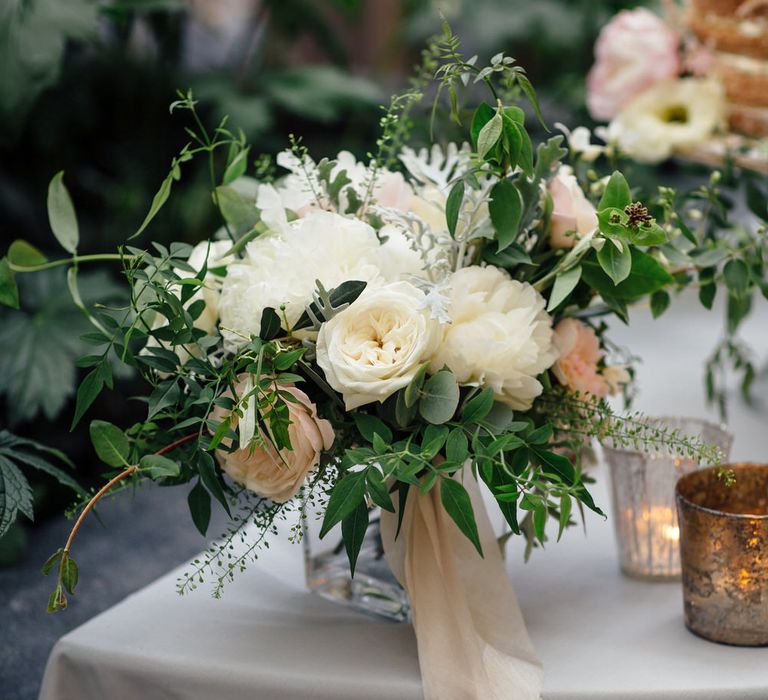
[[279, 476], [672, 115], [282, 267], [500, 336], [376, 345], [573, 215]]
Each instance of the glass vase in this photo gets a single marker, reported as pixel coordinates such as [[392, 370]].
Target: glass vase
[[373, 590], [643, 499]]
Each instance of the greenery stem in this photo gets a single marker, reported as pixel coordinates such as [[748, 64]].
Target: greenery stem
[[74, 260]]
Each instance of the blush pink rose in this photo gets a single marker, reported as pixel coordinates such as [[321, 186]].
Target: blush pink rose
[[580, 354], [634, 51], [279, 476], [573, 215]]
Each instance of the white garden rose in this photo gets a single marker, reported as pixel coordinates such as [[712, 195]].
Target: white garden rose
[[282, 267], [375, 346], [670, 116], [500, 336]]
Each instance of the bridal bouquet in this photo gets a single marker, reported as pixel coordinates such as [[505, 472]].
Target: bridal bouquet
[[381, 333]]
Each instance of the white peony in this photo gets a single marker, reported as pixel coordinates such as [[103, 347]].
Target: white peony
[[282, 267], [500, 336], [671, 115], [375, 346]]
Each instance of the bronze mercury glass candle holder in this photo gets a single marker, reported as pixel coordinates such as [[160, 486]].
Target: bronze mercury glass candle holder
[[643, 499], [724, 552]]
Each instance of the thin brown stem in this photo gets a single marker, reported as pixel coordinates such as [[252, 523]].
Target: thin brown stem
[[114, 480]]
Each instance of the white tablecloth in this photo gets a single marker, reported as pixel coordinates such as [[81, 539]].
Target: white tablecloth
[[600, 635]]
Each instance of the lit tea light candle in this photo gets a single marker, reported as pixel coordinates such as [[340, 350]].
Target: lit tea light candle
[[724, 552], [643, 491]]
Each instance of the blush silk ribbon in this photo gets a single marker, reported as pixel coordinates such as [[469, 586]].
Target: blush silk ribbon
[[470, 633]]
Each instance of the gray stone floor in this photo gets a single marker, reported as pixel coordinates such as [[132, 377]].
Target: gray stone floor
[[141, 538]]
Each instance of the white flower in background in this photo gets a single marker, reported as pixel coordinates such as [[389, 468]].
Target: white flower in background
[[634, 51], [500, 336], [579, 142], [375, 346], [573, 215], [281, 268], [673, 115]]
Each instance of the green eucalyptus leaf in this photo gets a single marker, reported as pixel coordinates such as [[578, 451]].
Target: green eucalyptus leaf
[[412, 392], [440, 398]]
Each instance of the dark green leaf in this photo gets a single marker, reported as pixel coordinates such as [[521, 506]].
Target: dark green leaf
[[565, 514], [369, 425], [505, 209], [453, 206], [111, 443], [347, 494], [61, 214], [402, 498], [378, 489], [557, 464], [211, 479], [510, 257], [52, 560], [707, 295], [345, 293], [659, 303], [236, 167], [353, 528], [165, 394], [478, 407], [87, 392], [489, 135], [199, 501], [458, 505], [69, 574], [457, 446]]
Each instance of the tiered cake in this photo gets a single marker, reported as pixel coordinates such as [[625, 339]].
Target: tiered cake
[[736, 32]]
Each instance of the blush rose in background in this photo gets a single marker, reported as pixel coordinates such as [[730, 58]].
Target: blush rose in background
[[634, 51]]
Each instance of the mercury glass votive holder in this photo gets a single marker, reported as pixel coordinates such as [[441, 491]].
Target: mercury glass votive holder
[[724, 552], [643, 499]]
